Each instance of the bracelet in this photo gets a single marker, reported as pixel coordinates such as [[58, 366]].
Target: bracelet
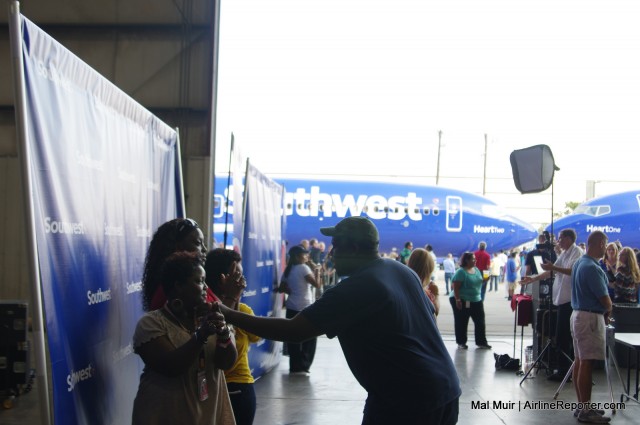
[[200, 337]]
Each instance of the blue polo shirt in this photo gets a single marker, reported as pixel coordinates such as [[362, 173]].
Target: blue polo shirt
[[386, 327], [588, 285]]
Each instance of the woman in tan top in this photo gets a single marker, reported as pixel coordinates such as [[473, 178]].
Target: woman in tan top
[[185, 345]]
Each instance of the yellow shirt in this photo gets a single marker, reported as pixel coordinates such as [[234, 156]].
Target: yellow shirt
[[240, 373]]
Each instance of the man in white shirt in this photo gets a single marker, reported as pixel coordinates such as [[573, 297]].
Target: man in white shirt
[[561, 298], [503, 260], [449, 270]]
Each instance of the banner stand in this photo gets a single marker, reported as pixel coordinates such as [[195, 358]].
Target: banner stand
[[96, 186], [182, 205], [39, 339]]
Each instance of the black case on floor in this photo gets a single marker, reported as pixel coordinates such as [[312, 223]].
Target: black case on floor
[[14, 346]]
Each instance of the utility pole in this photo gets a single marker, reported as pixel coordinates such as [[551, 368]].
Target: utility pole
[[438, 164], [484, 175], [591, 189]]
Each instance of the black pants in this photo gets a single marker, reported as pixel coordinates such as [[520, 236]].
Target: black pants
[[564, 340], [461, 321], [243, 401], [300, 355], [445, 415]]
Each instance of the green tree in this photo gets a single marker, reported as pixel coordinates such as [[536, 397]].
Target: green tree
[[568, 209]]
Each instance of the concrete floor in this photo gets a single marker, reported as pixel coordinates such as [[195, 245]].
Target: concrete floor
[[332, 396]]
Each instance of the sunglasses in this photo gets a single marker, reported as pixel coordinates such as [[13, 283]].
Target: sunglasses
[[186, 225]]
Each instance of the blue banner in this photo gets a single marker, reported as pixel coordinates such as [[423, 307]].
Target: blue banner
[[104, 177], [262, 258]]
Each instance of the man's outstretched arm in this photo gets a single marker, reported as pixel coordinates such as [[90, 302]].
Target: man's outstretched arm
[[297, 329]]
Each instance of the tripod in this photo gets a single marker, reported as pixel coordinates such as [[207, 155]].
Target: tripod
[[550, 345], [610, 355]]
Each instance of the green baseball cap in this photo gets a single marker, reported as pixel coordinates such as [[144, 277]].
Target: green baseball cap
[[359, 229]]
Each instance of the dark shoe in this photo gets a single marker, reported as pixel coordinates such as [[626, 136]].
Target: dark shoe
[[463, 346], [592, 417], [558, 377], [484, 346], [598, 411]]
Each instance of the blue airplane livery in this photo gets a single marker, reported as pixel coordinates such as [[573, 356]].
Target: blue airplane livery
[[450, 220], [618, 215]]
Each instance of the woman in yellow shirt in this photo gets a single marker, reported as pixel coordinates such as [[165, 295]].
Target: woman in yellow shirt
[[220, 264]]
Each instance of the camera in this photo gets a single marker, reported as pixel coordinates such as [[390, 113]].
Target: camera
[[547, 244]]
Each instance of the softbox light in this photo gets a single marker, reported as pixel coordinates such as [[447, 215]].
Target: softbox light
[[533, 168]]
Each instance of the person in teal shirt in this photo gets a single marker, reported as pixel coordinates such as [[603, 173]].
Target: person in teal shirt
[[466, 301]]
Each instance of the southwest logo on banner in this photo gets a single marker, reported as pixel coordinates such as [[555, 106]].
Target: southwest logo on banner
[[104, 176]]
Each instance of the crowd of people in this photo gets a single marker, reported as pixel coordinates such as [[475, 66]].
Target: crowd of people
[[467, 282], [196, 333]]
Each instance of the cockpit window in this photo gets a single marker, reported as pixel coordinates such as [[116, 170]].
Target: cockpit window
[[604, 209], [593, 210]]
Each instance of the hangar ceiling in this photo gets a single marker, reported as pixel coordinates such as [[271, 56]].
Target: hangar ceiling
[[160, 52]]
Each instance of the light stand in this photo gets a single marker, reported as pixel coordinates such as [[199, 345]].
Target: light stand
[[533, 171], [551, 343]]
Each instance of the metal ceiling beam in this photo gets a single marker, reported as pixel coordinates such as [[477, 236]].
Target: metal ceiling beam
[[101, 30]]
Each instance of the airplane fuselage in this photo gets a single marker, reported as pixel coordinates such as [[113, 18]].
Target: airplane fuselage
[[618, 215], [448, 219]]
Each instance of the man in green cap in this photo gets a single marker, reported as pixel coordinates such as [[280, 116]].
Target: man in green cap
[[386, 328]]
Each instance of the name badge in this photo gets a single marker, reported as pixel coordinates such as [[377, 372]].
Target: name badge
[[203, 388]]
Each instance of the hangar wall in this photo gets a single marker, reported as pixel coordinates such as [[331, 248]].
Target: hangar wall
[[160, 52]]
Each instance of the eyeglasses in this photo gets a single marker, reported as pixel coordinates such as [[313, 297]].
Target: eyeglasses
[[186, 225]]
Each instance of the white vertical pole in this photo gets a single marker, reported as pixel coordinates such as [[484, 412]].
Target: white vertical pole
[[591, 189], [438, 164], [214, 113], [42, 382], [484, 174]]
